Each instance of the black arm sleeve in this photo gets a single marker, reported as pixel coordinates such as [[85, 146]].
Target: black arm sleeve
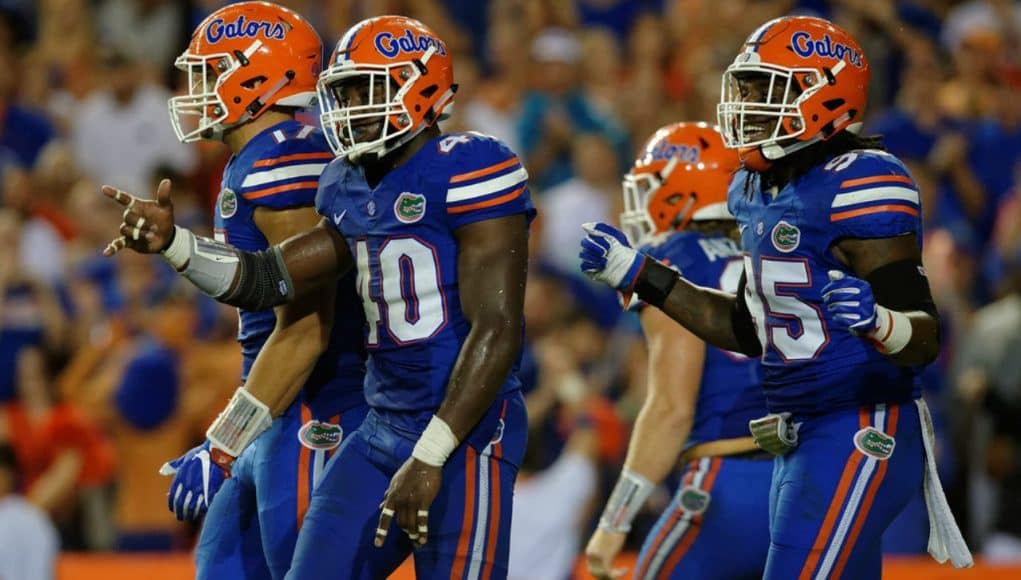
[[262, 283], [902, 286], [743, 323]]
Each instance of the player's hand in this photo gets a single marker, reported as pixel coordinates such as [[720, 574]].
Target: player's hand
[[850, 302], [607, 256], [196, 481], [147, 225], [412, 490], [602, 550]]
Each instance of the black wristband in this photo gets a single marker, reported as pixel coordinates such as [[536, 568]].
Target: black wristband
[[655, 282]]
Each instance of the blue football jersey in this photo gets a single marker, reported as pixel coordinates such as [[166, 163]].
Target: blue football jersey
[[788, 236], [279, 169], [402, 236], [730, 394]]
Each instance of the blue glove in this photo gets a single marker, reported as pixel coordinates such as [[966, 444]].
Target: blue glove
[[851, 303], [607, 256], [196, 481]]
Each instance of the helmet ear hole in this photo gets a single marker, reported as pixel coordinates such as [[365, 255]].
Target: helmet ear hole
[[833, 104], [253, 82]]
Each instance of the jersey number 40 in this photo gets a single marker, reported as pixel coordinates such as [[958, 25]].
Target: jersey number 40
[[409, 280]]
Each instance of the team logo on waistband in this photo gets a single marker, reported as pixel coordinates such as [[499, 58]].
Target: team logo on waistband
[[228, 203], [319, 435], [409, 207], [874, 443], [786, 237], [694, 500]]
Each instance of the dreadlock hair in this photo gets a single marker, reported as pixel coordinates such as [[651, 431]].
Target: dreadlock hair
[[797, 164]]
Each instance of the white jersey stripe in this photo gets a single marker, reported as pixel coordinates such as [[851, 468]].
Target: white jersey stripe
[[283, 173], [505, 181], [478, 549], [851, 509], [318, 466], [875, 194]]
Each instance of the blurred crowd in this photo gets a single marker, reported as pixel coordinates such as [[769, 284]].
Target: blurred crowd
[[110, 367]]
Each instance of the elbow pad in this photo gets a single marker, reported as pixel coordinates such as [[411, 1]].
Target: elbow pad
[[743, 324], [261, 278], [263, 281]]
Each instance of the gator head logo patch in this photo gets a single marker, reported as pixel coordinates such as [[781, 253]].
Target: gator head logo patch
[[786, 237], [409, 207], [228, 203], [319, 435], [874, 443], [693, 500]]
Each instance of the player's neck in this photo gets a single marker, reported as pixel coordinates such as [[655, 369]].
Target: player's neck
[[374, 172], [239, 136]]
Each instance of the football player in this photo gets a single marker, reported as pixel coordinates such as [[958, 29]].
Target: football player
[[250, 67], [436, 227], [700, 398], [834, 299]]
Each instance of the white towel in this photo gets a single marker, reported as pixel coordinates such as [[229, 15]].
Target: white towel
[[945, 539]]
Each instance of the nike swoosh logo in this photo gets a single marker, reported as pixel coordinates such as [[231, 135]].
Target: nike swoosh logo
[[337, 217]]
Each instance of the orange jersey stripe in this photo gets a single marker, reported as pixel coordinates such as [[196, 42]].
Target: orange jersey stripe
[[488, 202], [850, 468], [324, 156], [280, 189], [875, 209], [484, 171], [876, 179], [692, 532], [658, 542], [870, 494], [461, 556], [304, 473]]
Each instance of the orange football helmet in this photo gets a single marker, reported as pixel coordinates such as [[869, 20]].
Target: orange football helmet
[[798, 80], [682, 175], [242, 59], [407, 74]]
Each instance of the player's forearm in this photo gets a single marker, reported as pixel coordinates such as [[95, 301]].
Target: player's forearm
[[288, 359], [923, 343], [481, 369], [257, 280], [657, 439], [706, 313]]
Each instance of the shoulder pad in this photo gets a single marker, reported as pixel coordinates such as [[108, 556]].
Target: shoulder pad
[[870, 194], [473, 169], [287, 173]]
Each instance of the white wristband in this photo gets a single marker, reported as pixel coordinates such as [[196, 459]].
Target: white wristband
[[628, 497], [893, 330], [244, 419], [436, 443], [179, 251]]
